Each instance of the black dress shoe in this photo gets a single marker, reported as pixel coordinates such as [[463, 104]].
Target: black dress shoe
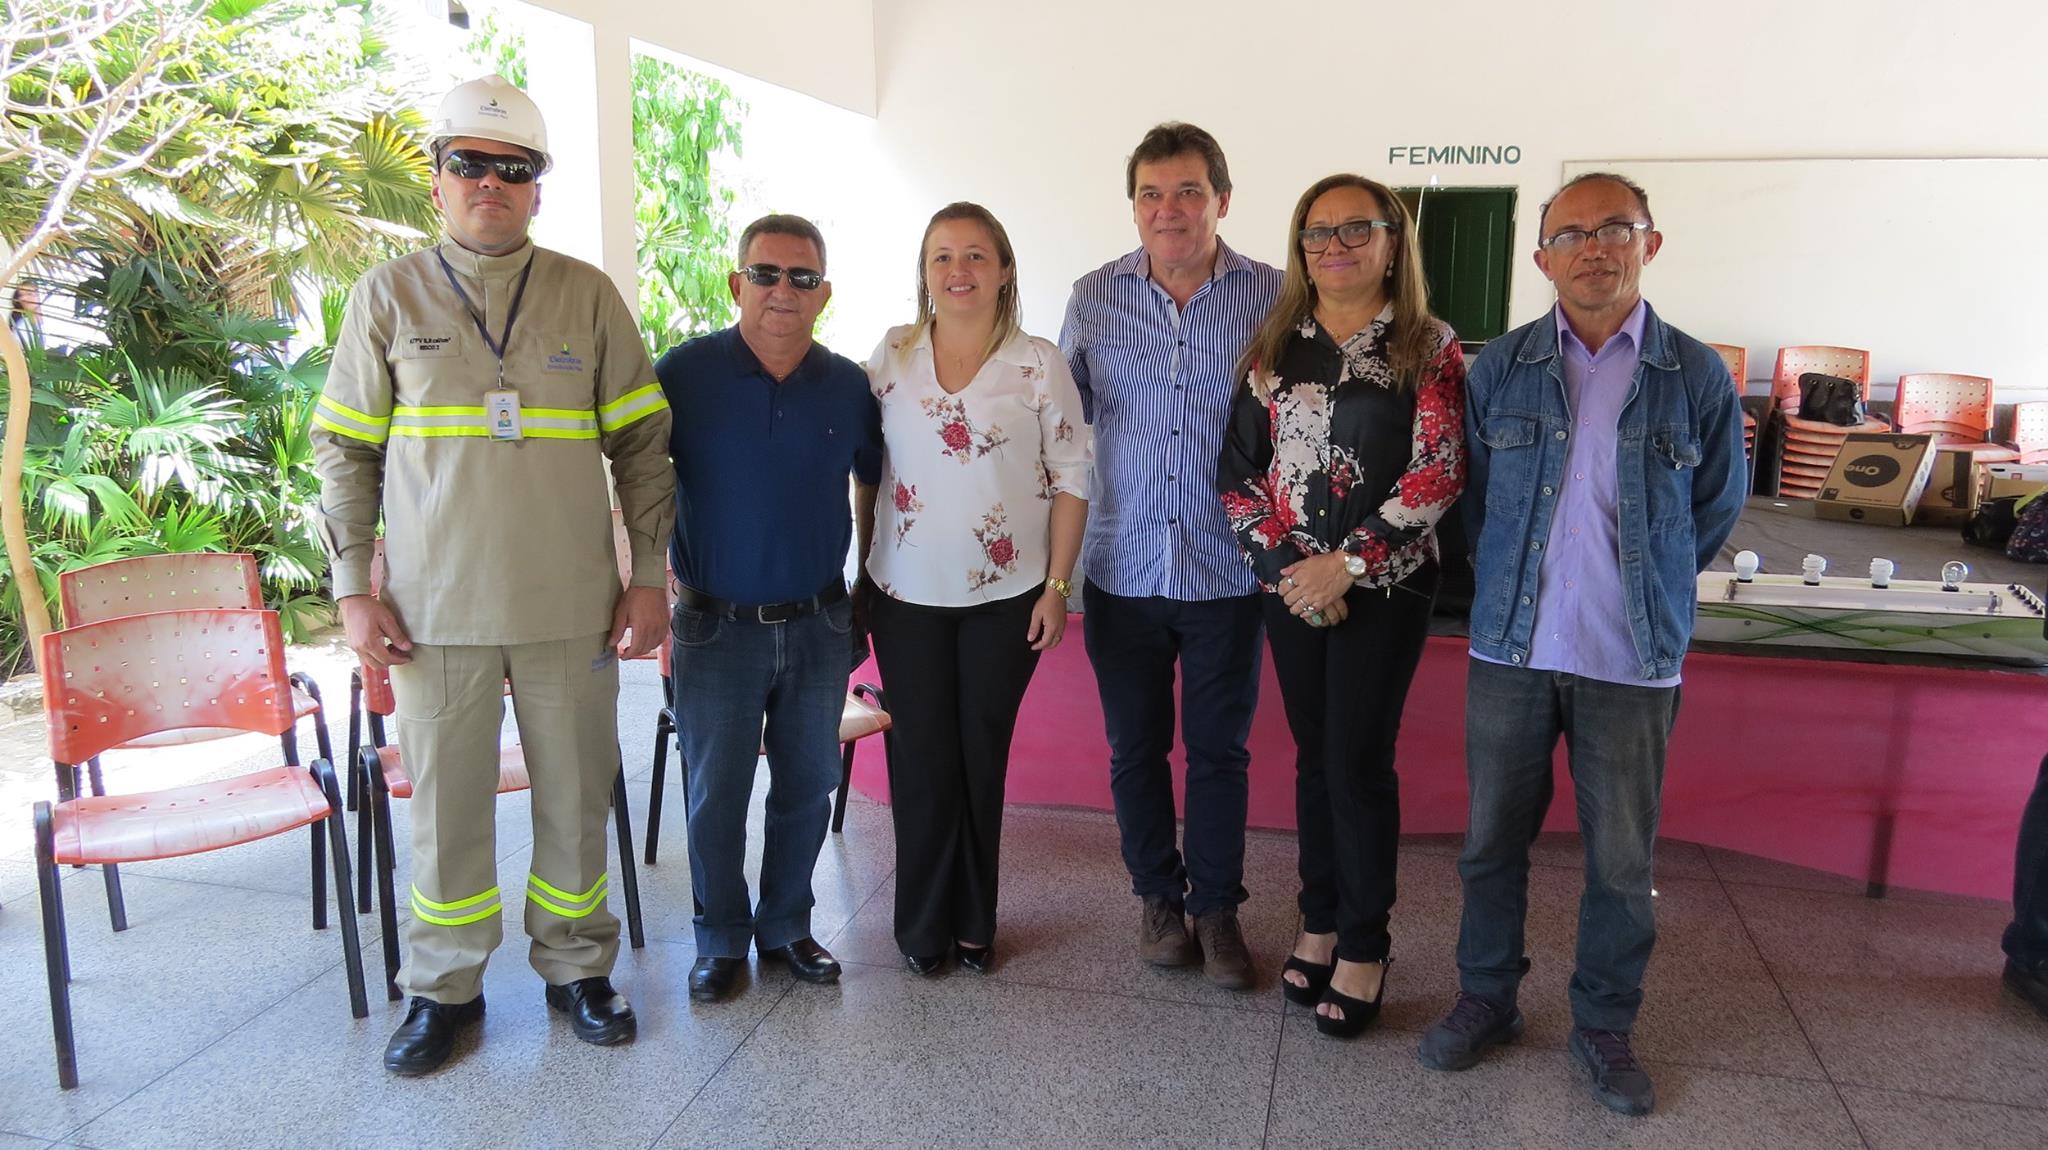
[[601, 1015], [807, 960], [924, 964], [979, 959], [712, 979], [427, 1036]]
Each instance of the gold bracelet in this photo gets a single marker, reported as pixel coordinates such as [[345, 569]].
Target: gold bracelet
[[1065, 588]]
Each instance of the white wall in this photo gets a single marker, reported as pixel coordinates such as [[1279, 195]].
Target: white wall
[[1031, 109]]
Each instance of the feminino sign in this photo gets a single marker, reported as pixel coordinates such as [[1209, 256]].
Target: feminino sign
[[1454, 154]]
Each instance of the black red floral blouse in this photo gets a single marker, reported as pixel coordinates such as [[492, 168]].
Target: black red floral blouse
[[1337, 456]]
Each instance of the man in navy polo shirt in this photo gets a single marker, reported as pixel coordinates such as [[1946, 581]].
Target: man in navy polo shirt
[[767, 426]]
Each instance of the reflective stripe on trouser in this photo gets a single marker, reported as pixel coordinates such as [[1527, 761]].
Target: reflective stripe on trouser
[[450, 711]]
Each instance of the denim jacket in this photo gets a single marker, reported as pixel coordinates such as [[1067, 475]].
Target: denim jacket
[[1681, 478]]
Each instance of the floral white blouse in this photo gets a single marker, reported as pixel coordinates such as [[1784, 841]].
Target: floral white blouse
[[963, 513]]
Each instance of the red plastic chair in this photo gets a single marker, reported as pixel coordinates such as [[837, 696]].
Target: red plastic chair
[[1957, 410], [110, 683], [184, 581], [2030, 431], [1810, 446], [1737, 359]]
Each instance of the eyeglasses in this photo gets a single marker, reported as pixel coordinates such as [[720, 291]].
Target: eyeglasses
[[1350, 233], [471, 165], [1615, 235], [768, 275]]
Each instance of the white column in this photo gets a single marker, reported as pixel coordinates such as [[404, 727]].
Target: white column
[[561, 76], [613, 56]]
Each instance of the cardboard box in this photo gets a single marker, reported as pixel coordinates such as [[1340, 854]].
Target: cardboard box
[[2003, 479], [1951, 495], [1877, 479]]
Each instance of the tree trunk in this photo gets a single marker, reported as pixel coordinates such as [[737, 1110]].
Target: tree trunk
[[35, 610]]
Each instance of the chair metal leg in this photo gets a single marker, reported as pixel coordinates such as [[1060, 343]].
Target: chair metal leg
[[845, 785], [117, 904], [56, 956], [304, 682], [318, 836], [351, 942], [628, 875], [378, 803], [356, 793], [664, 730]]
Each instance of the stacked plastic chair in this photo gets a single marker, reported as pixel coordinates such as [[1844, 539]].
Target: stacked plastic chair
[[1957, 410], [1810, 446], [1737, 359], [124, 682], [2030, 431]]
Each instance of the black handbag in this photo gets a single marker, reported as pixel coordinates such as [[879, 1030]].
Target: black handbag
[[1830, 399], [1993, 523]]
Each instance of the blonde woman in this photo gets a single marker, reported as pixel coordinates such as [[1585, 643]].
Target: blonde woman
[[1346, 444], [978, 525]]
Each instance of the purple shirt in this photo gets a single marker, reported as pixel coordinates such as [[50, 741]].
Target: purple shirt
[[1581, 622]]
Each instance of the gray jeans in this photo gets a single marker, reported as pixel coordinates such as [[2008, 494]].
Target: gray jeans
[[1616, 736]]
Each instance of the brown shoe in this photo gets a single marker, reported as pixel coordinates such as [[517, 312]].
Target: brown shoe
[[1163, 935], [1225, 958]]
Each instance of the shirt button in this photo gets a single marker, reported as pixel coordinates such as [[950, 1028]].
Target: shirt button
[[1560, 435], [1536, 546], [1549, 491], [1555, 635], [1176, 431], [1580, 475], [1568, 584], [1171, 522], [1171, 478], [1514, 658], [1575, 531], [1526, 600], [1320, 514]]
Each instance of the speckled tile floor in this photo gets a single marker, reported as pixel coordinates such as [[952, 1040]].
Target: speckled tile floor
[[1784, 1010]]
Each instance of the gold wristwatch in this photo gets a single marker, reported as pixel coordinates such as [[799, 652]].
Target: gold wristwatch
[[1065, 588]]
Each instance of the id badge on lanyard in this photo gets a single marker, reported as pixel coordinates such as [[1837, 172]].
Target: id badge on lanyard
[[501, 403]]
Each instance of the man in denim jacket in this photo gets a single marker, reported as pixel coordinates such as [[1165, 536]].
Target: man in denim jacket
[[1605, 449]]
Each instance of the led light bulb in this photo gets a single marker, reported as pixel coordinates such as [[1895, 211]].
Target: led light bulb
[[1812, 568], [1953, 573], [1881, 572], [1746, 564]]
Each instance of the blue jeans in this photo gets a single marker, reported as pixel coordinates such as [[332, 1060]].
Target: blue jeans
[[1616, 735], [730, 675], [1134, 644], [2026, 940]]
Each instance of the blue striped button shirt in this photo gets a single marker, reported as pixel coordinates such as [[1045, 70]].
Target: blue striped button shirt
[[1156, 383]]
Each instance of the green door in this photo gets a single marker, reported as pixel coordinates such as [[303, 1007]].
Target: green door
[[1467, 252]]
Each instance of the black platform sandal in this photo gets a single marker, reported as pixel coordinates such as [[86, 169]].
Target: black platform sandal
[[1358, 1013], [1318, 976]]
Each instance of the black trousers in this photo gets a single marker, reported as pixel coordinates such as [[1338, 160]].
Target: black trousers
[[2026, 940], [1344, 688], [1134, 644], [955, 677]]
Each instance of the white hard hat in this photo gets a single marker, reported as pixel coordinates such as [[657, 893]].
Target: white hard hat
[[491, 108]]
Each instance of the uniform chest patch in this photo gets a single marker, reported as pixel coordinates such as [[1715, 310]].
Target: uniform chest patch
[[563, 359], [418, 346]]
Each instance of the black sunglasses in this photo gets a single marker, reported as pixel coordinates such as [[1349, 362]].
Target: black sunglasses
[[768, 275], [467, 164]]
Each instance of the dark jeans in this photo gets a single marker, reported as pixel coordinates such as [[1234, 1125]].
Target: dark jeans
[[955, 677], [730, 675], [1134, 643], [2026, 940], [1616, 735], [1344, 688]]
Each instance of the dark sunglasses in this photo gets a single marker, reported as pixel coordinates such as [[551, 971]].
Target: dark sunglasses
[[768, 275], [466, 164]]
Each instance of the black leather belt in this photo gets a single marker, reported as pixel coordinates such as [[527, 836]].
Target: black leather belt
[[697, 600]]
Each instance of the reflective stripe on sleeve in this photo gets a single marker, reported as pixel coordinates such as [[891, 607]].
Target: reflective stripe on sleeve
[[556, 901], [344, 420], [461, 912], [631, 407]]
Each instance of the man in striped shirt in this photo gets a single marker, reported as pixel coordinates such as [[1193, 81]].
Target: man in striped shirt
[[1153, 340]]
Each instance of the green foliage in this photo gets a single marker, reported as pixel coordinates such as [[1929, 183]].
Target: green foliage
[[681, 120], [176, 417]]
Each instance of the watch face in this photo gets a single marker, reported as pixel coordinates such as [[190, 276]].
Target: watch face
[[1354, 566]]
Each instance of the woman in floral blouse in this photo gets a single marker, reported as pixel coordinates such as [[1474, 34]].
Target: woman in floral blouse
[[977, 527], [1345, 446]]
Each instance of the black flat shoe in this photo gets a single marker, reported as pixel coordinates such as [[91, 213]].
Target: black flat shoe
[[712, 979], [979, 959], [1318, 975], [601, 1015], [1358, 1013], [423, 1042], [926, 965], [807, 960]]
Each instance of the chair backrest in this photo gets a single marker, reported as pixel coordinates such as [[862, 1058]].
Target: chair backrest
[[1737, 359], [187, 581], [1952, 408], [118, 680], [1793, 362], [2030, 431]]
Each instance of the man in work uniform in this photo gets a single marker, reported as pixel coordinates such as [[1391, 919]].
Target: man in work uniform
[[477, 389]]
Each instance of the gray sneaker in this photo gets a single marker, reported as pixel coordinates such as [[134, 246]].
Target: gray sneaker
[[1473, 1024], [1225, 958], [1619, 1081], [1163, 935]]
